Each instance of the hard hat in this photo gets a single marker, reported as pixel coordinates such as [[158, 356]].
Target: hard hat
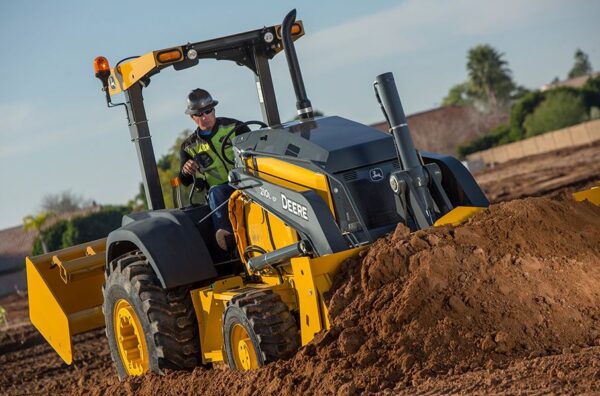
[[199, 101]]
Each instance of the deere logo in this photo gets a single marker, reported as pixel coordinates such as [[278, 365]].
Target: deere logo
[[376, 174], [294, 207]]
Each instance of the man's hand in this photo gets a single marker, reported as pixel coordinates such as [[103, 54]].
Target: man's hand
[[190, 167]]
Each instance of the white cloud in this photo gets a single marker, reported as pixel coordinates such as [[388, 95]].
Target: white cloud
[[416, 25]]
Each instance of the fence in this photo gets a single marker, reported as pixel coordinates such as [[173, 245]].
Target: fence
[[576, 135]]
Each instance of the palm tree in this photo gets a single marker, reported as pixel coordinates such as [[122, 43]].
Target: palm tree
[[36, 223], [489, 74]]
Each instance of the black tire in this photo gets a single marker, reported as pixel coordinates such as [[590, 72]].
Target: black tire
[[268, 323], [167, 317]]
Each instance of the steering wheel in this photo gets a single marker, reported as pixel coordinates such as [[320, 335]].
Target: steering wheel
[[227, 139]]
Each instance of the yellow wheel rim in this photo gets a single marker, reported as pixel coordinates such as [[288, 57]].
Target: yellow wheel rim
[[130, 339], [243, 349]]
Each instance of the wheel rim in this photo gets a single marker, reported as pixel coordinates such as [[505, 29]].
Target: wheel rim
[[130, 339], [244, 353]]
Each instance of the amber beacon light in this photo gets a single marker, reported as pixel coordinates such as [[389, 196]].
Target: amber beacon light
[[101, 67]]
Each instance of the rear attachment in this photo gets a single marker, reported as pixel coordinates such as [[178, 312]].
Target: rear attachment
[[592, 195], [65, 293]]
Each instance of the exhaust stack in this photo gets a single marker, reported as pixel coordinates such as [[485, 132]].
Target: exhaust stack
[[387, 94], [420, 196], [303, 105]]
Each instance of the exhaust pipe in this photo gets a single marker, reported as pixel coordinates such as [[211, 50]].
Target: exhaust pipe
[[303, 105], [414, 178], [387, 94]]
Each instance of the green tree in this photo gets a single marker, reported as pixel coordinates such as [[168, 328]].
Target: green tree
[[63, 202], [35, 223], [81, 229], [168, 168], [139, 202], [560, 109], [458, 95], [52, 235], [591, 92], [520, 110], [582, 65], [495, 137], [489, 75]]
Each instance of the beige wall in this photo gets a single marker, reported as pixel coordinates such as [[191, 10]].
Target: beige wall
[[576, 135]]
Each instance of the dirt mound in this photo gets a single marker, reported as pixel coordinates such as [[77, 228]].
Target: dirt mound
[[509, 301], [520, 280], [550, 174]]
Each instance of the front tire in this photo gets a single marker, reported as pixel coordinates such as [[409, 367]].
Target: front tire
[[258, 328], [148, 328]]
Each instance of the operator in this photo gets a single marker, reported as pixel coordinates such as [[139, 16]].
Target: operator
[[201, 152]]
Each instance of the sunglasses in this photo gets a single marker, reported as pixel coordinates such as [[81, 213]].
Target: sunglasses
[[206, 112]]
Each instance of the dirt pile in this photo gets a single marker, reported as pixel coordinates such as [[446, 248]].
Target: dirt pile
[[509, 301], [520, 280]]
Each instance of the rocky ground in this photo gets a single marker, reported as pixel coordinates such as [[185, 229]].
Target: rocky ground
[[507, 303]]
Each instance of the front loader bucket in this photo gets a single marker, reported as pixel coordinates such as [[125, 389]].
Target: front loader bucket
[[65, 293], [592, 195]]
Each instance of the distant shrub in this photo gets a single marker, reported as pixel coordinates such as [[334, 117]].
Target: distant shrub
[[520, 110], [591, 93], [52, 236], [81, 229], [94, 226], [560, 109], [539, 112], [498, 135]]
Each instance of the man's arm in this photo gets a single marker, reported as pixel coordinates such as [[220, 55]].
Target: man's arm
[[184, 157], [242, 130]]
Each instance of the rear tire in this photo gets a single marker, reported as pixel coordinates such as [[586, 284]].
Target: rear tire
[[144, 319], [258, 328]]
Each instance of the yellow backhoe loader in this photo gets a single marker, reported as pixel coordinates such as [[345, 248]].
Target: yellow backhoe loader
[[309, 195]]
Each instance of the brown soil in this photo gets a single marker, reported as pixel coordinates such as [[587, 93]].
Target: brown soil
[[507, 303], [550, 174]]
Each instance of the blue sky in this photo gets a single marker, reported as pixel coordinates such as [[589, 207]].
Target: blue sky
[[56, 132]]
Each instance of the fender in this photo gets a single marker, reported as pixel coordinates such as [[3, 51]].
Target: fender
[[459, 184], [171, 243]]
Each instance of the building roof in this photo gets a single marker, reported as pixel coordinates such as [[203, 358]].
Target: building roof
[[443, 129], [576, 82], [15, 244]]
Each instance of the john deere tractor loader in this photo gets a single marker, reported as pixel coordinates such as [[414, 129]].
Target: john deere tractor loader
[[309, 194]]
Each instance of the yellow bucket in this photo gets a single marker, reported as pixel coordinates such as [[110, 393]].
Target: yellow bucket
[[65, 293], [592, 195]]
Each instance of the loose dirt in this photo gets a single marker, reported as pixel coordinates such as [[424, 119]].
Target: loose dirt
[[508, 302], [550, 174]]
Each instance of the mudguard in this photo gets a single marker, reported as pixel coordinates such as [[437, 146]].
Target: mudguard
[[171, 243], [459, 184]]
